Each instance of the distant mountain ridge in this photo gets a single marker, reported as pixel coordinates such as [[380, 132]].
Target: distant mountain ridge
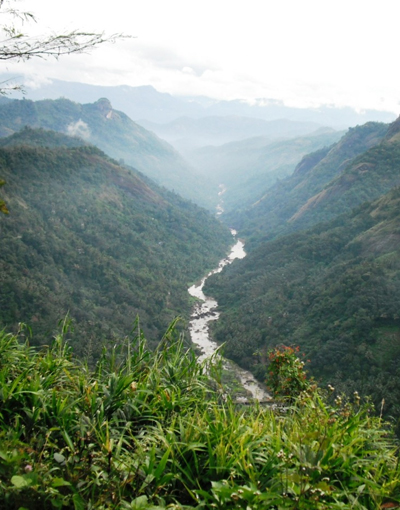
[[279, 210], [248, 168], [114, 133], [145, 102], [187, 133]]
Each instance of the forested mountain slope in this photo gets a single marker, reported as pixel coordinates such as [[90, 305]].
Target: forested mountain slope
[[114, 133], [275, 212], [95, 239], [249, 167], [334, 290]]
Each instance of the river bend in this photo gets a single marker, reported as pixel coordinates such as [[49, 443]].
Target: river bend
[[205, 311]]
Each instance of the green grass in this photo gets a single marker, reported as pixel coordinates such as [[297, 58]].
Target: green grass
[[149, 429]]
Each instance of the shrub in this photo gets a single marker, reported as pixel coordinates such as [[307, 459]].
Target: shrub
[[286, 375], [146, 430]]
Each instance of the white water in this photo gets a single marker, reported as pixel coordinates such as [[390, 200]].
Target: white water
[[222, 190], [205, 311]]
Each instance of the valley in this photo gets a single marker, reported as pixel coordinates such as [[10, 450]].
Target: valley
[[206, 311], [169, 364], [199, 256], [106, 244]]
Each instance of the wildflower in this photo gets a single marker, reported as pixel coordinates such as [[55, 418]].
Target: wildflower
[[338, 401], [28, 468], [280, 454]]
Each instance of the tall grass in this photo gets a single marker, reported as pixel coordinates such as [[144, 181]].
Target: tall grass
[[150, 430]]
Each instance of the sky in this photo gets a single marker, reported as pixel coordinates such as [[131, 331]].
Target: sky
[[303, 52]]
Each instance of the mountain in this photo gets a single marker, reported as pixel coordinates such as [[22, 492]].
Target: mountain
[[143, 102], [114, 133], [187, 133], [368, 176], [333, 290], [284, 204], [247, 168], [147, 103], [89, 237]]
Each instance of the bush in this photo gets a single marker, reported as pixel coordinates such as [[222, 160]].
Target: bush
[[149, 430], [286, 374]]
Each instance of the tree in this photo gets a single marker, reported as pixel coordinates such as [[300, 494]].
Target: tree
[[17, 45]]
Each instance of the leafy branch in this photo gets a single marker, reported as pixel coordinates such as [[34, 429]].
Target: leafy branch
[[20, 46]]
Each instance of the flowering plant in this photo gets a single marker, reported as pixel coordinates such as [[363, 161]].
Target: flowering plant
[[286, 375]]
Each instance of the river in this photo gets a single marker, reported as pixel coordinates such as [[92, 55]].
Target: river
[[205, 311]]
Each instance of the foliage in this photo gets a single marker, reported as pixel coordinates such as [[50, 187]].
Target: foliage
[[18, 45], [333, 290], [286, 376], [149, 429], [3, 207], [91, 237]]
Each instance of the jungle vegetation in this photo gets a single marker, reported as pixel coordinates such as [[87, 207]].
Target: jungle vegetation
[[149, 429], [334, 290], [89, 237]]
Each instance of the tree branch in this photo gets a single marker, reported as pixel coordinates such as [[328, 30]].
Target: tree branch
[[21, 48]]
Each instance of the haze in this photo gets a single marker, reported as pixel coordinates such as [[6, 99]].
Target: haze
[[304, 53]]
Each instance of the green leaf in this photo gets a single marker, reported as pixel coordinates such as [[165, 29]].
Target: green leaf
[[59, 482], [20, 481], [59, 458], [140, 502], [361, 488], [161, 466], [79, 504], [68, 440]]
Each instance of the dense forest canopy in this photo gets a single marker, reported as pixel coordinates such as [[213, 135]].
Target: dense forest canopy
[[273, 207], [334, 289], [91, 238]]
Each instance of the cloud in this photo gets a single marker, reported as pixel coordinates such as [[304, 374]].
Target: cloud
[[80, 129], [36, 81], [169, 58]]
